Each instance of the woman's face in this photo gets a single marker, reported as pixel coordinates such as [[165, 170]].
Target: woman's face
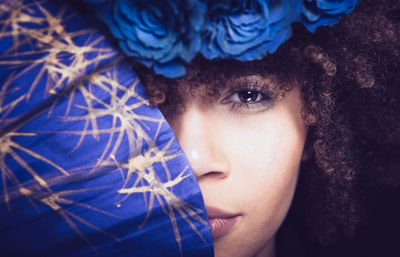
[[245, 148]]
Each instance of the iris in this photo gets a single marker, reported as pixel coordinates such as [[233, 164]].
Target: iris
[[248, 96]]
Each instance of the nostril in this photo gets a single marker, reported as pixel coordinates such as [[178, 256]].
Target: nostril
[[215, 174], [211, 175]]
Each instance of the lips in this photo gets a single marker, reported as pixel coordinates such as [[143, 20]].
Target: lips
[[221, 222]]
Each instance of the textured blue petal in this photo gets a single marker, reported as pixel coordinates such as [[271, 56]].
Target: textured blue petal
[[245, 19], [149, 52], [326, 21], [317, 13], [170, 70], [278, 11], [148, 39], [267, 47], [311, 16]]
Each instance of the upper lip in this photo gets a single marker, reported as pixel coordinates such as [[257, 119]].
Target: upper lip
[[215, 213]]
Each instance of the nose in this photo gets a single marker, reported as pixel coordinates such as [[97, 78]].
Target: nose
[[200, 138]]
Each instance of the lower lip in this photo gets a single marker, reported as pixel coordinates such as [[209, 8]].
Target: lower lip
[[221, 226]]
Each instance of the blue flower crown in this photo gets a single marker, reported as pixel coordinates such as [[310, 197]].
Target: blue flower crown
[[167, 35]]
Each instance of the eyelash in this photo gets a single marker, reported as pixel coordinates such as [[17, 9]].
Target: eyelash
[[265, 103]]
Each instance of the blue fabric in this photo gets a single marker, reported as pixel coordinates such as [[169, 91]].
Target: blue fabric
[[87, 166]]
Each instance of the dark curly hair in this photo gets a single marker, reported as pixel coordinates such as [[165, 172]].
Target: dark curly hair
[[350, 81]]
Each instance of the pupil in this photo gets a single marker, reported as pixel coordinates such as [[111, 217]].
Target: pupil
[[247, 96]]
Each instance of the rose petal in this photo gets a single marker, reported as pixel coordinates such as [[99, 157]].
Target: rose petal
[[311, 15], [170, 70], [325, 12]]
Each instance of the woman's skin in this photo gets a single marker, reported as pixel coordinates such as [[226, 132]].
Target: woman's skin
[[245, 149]]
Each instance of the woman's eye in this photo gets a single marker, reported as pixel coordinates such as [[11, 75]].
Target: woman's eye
[[248, 96], [249, 100]]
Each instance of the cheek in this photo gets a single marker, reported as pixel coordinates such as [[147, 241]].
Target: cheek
[[265, 152], [267, 161], [270, 153]]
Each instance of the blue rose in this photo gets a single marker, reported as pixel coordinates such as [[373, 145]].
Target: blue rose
[[318, 13], [164, 35], [247, 29]]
